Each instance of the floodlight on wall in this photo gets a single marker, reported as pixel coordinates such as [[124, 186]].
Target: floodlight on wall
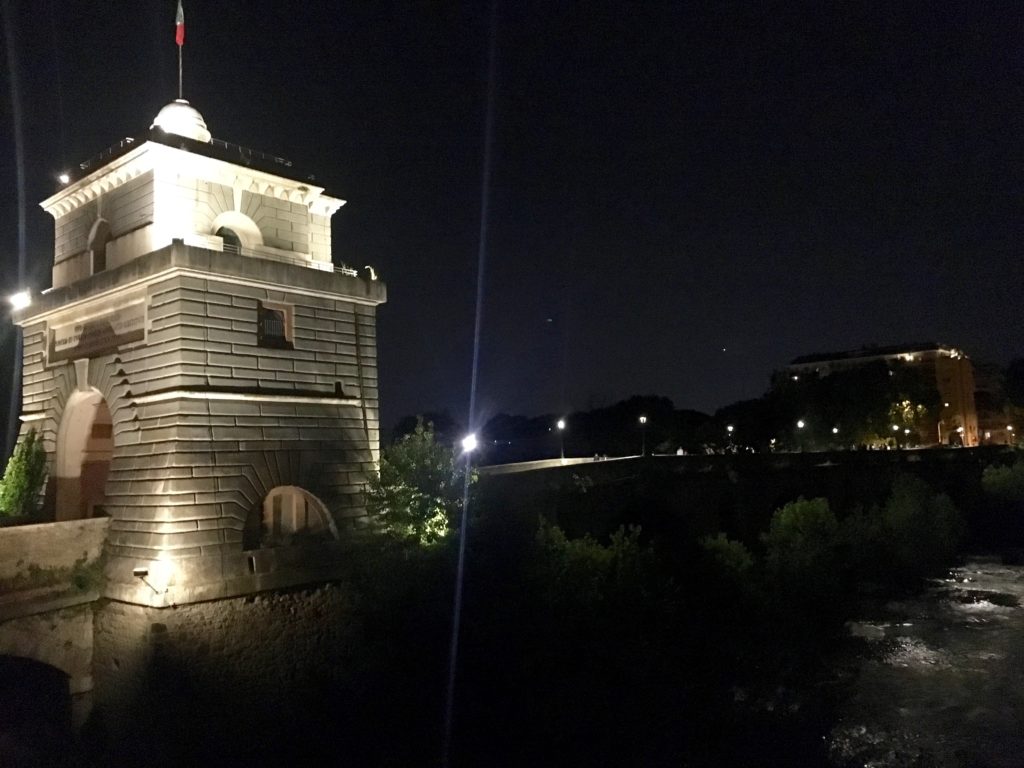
[[157, 576]]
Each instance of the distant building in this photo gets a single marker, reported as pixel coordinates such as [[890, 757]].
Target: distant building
[[949, 368]]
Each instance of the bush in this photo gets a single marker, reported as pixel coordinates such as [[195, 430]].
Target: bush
[[418, 492], [24, 477], [923, 528], [1005, 483], [801, 542], [729, 555]]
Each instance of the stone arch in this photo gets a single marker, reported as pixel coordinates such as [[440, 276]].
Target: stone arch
[[35, 712], [239, 227], [291, 515], [99, 237], [85, 446]]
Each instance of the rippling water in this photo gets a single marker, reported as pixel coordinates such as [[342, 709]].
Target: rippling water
[[942, 683]]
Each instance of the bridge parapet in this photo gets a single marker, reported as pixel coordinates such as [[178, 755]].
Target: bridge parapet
[[50, 575]]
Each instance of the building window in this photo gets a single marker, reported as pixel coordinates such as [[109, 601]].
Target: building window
[[99, 237], [274, 325], [232, 242]]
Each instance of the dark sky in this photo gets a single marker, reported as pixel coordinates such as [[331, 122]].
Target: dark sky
[[684, 196]]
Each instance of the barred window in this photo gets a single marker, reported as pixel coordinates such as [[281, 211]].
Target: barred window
[[274, 326]]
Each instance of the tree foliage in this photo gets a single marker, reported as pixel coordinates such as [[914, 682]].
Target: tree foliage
[[418, 493], [1005, 483], [24, 477]]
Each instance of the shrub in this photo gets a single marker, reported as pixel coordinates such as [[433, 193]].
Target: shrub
[[923, 528], [418, 493], [730, 555], [802, 538], [24, 477], [1004, 483]]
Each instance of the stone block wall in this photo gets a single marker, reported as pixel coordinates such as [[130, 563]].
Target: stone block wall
[[126, 208], [205, 421]]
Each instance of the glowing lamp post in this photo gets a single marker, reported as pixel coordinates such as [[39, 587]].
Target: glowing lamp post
[[643, 435], [561, 437], [469, 443], [20, 300]]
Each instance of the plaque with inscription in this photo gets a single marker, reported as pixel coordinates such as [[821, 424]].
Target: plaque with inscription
[[98, 335]]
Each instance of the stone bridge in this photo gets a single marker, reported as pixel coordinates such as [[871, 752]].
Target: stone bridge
[[50, 578]]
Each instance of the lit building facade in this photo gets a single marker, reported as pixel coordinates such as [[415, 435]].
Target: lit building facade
[[200, 371], [949, 368]]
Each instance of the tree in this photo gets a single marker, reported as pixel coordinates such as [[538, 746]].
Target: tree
[[24, 477], [418, 493]]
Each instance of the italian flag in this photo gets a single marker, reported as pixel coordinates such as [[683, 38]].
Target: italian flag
[[179, 26]]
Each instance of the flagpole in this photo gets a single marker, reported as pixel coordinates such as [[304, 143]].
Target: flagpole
[[179, 38]]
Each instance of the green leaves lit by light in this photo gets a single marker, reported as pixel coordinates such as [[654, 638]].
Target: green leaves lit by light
[[418, 492], [24, 477]]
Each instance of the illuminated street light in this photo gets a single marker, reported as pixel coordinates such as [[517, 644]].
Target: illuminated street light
[[906, 431], [561, 437], [469, 443], [63, 178], [801, 424], [20, 300], [729, 428], [643, 435], [895, 427], [835, 430]]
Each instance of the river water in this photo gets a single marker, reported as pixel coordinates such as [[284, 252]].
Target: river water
[[941, 682]]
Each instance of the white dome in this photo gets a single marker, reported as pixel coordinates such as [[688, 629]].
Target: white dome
[[181, 119]]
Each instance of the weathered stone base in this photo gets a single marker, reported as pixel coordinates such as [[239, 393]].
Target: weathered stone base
[[232, 680]]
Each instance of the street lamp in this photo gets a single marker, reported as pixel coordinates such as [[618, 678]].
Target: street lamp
[[800, 424], [643, 435], [469, 443], [561, 437], [835, 430], [20, 300]]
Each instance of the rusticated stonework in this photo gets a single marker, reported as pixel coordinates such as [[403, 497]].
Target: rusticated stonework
[[197, 352]]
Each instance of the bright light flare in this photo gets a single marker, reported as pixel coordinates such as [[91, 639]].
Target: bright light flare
[[469, 443], [835, 430], [64, 178], [801, 424], [560, 424], [643, 419], [20, 300], [730, 428]]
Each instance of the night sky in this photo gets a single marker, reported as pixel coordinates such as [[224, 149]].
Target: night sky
[[683, 196]]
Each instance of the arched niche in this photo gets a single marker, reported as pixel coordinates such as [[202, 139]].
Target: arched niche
[[292, 515], [237, 229], [85, 444]]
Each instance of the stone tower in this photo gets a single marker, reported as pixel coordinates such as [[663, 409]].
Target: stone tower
[[200, 371]]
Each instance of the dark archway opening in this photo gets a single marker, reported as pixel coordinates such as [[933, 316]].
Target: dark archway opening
[[35, 714]]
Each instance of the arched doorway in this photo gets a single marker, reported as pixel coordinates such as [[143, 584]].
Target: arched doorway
[[85, 444]]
